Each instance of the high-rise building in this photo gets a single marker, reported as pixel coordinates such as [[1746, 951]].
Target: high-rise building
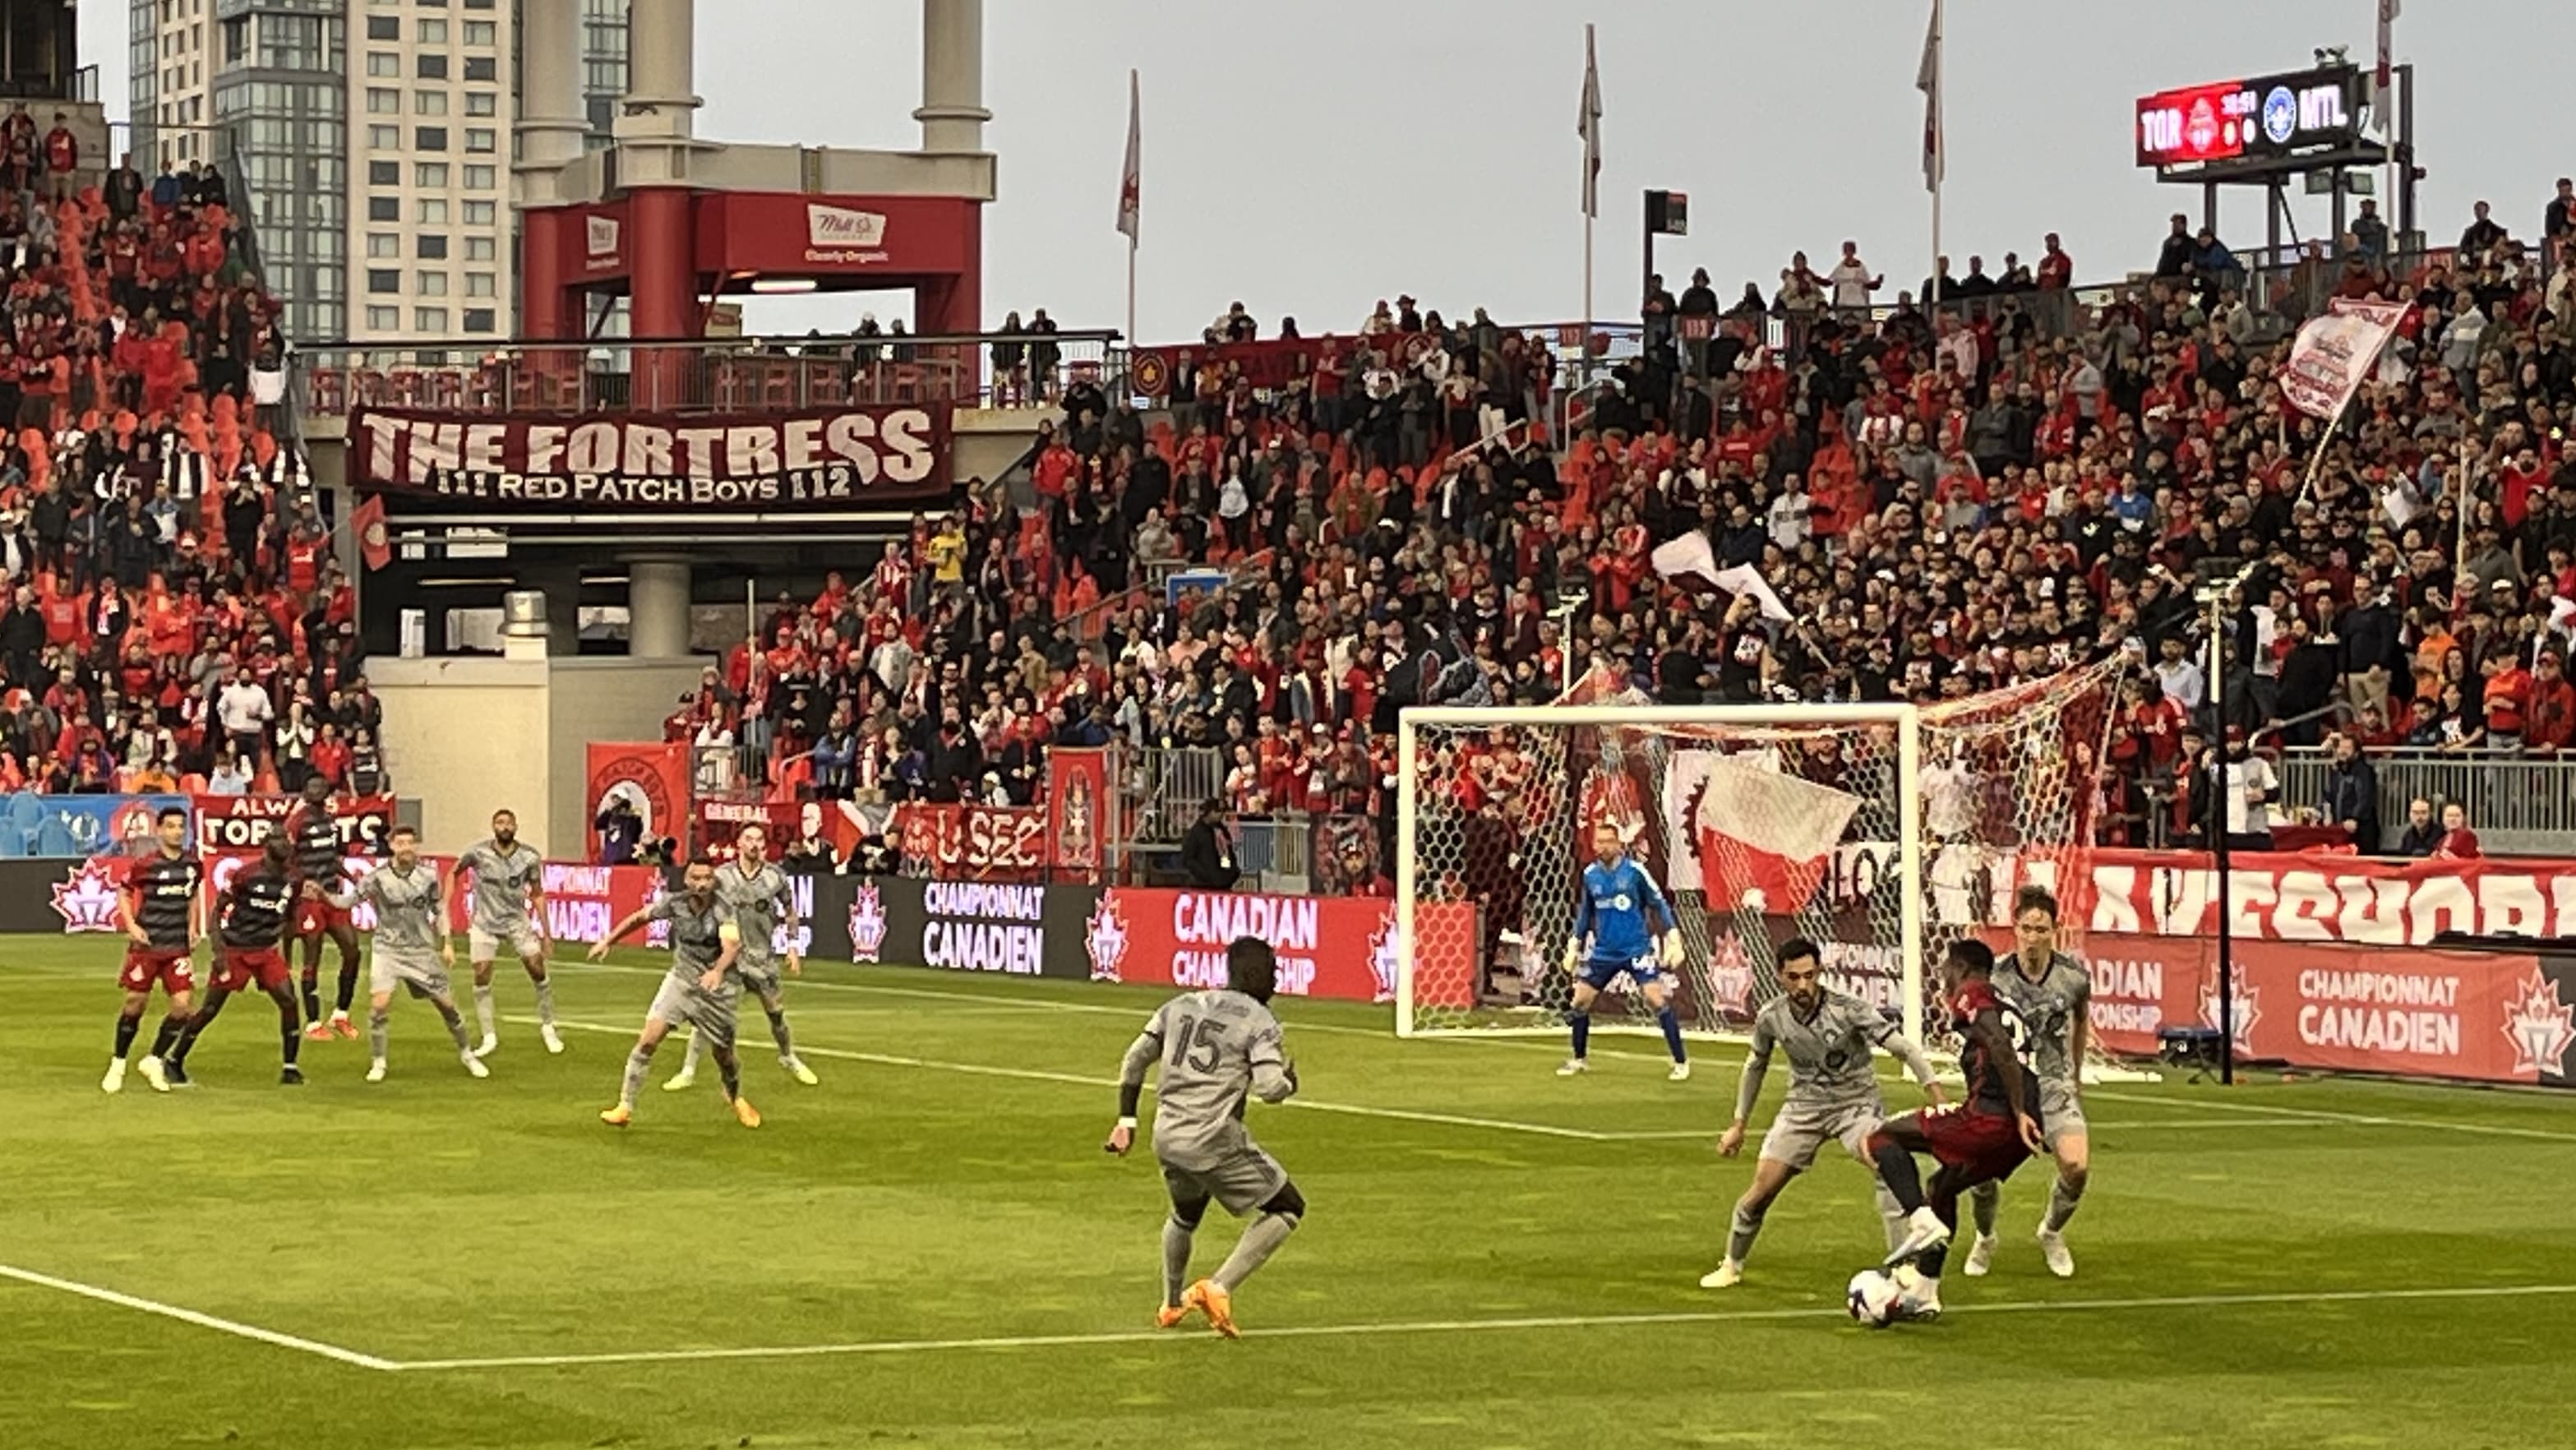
[[373, 143]]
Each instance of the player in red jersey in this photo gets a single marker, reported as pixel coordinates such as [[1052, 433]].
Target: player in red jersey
[[255, 906], [1981, 1138], [313, 834], [162, 919]]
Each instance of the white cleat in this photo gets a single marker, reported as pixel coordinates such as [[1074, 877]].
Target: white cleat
[[1917, 1298], [114, 1082], [1725, 1276], [1924, 1232], [1680, 1073], [473, 1065], [553, 1039], [150, 1067], [2052, 1247], [376, 1070], [489, 1045], [797, 1069], [680, 1082], [1981, 1257], [1573, 1066]]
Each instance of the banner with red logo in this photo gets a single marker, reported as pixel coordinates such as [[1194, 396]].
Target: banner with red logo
[[811, 461], [973, 842], [652, 778], [1077, 797], [2326, 898], [1342, 948]]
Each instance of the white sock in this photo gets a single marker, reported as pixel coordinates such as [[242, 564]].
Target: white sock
[[697, 1050], [483, 1007]]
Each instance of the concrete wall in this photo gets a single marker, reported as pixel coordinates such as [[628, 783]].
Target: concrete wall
[[608, 700], [467, 737]]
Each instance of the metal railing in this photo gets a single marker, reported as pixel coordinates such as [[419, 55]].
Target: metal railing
[[2518, 804], [1162, 790], [710, 375]]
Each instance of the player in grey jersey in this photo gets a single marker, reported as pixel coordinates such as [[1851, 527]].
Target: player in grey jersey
[[509, 908], [1833, 1093], [1216, 1048], [410, 950], [762, 902], [2053, 995], [700, 993]]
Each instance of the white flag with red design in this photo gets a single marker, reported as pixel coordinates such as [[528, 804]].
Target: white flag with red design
[[2335, 352], [1767, 838]]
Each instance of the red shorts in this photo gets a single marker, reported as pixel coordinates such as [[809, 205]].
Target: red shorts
[[1987, 1146], [236, 968], [313, 918], [175, 971]]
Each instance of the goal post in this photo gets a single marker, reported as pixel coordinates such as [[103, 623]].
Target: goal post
[[1880, 832]]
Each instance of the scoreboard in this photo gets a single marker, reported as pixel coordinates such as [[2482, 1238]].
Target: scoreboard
[[2268, 118]]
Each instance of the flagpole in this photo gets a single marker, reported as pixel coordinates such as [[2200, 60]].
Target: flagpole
[[1940, 150], [1131, 292], [1588, 126]]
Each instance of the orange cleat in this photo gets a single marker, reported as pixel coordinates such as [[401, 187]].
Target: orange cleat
[[317, 1031], [343, 1028], [1215, 1303], [745, 1114], [618, 1116], [1171, 1315]]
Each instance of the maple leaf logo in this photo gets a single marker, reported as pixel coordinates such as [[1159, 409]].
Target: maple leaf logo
[[2249, 1010], [1106, 940], [1383, 959], [87, 899], [867, 923], [2541, 1027]]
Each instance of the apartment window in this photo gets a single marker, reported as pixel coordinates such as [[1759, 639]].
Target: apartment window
[[478, 213], [432, 246], [430, 284], [429, 138], [236, 39], [430, 67], [429, 103], [482, 68], [384, 244], [433, 32], [481, 178], [482, 103], [429, 319], [481, 284], [430, 175], [482, 32], [479, 249], [478, 4], [381, 280], [383, 63], [478, 319], [384, 208], [384, 138], [384, 319], [384, 173], [483, 139], [383, 101], [433, 211], [384, 27]]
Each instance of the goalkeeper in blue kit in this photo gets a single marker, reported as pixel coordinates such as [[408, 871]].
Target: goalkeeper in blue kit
[[1612, 940]]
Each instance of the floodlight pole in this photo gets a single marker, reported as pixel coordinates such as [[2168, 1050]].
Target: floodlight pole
[[2213, 597]]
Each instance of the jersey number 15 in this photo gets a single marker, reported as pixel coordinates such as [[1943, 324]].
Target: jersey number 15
[[1197, 1043]]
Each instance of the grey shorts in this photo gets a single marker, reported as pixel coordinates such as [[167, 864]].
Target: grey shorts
[[422, 973], [1242, 1180], [1802, 1128], [2060, 1112], [760, 979], [710, 1014], [485, 946]]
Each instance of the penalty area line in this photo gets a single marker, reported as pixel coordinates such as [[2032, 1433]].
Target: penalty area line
[[1472, 1326], [217, 1323]]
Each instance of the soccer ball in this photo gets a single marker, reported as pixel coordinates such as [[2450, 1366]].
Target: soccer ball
[[1873, 1298]]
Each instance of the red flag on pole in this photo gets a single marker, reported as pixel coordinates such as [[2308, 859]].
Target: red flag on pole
[[368, 522]]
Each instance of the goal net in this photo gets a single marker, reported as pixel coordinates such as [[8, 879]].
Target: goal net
[[1879, 832]]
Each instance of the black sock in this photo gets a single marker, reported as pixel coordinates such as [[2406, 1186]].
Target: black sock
[[196, 1027], [1896, 1170], [312, 993], [126, 1027], [729, 1067], [290, 1041], [166, 1034], [348, 979]]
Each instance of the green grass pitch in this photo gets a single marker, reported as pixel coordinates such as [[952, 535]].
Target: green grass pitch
[[930, 1249]]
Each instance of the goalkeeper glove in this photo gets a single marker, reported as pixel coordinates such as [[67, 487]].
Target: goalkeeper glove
[[1574, 954], [1672, 951]]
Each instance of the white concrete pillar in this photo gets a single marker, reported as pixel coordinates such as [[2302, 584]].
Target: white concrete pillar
[[552, 121], [657, 607], [952, 113], [655, 123]]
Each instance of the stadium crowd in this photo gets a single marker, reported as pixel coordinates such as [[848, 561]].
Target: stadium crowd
[[173, 619], [1945, 499]]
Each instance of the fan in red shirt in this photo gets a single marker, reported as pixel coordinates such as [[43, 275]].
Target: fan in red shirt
[[1981, 1138], [2552, 718], [2459, 843]]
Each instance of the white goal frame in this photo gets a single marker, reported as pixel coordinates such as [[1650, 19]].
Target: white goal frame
[[1906, 721]]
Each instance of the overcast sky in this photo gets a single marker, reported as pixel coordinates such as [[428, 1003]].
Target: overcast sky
[[1312, 157]]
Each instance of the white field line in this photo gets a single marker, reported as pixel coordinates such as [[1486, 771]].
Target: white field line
[[1029, 1074], [1473, 1326], [2366, 1120], [202, 1321]]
